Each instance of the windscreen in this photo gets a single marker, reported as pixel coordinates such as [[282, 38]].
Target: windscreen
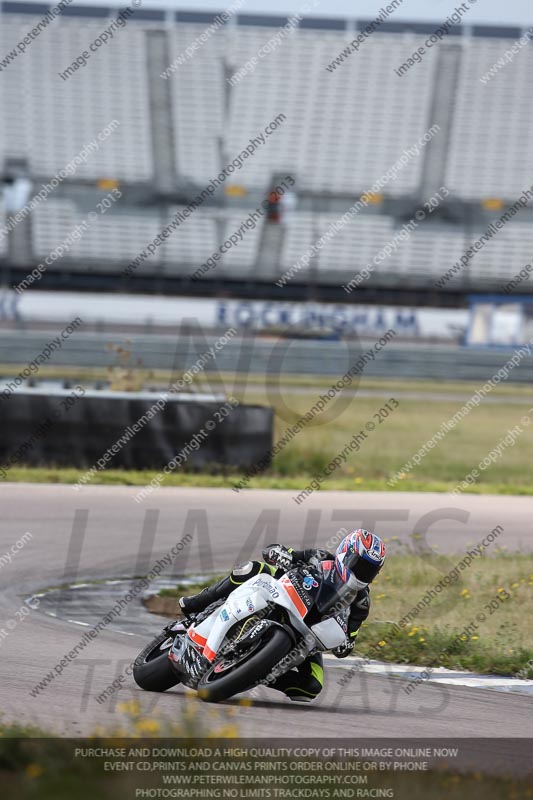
[[334, 593]]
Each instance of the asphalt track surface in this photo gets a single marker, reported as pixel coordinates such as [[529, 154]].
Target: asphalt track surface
[[100, 532]]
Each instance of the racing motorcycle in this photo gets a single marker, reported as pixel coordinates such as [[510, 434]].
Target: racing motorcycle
[[266, 627]]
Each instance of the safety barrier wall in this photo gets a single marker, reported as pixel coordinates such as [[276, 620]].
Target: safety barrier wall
[[41, 428]]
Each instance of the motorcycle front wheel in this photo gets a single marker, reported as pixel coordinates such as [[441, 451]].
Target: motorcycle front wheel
[[238, 673]]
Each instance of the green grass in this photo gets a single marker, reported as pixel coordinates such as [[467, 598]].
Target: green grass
[[268, 481], [37, 765], [382, 454], [393, 443], [48, 769], [188, 588], [501, 645], [499, 586], [123, 371]]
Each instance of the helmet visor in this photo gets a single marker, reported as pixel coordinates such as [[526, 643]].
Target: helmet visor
[[364, 569]]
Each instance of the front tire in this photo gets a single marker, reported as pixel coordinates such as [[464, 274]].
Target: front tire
[[152, 669], [246, 673]]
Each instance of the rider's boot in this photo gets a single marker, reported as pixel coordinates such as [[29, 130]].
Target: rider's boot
[[294, 693], [198, 602], [304, 683]]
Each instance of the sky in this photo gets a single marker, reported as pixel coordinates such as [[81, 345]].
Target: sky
[[491, 12], [501, 12]]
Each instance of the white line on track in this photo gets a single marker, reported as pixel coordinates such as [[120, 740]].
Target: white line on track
[[499, 683]]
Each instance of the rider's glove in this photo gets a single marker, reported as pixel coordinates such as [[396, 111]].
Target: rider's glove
[[317, 557], [343, 650], [278, 556]]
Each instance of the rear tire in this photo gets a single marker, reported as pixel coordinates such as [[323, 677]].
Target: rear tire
[[213, 687], [152, 669]]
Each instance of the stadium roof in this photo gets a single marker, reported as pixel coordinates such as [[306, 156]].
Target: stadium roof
[[102, 10]]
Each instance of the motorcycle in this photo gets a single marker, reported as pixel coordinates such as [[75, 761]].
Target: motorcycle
[[265, 627]]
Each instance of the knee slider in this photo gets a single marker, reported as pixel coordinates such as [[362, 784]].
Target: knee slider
[[243, 570]]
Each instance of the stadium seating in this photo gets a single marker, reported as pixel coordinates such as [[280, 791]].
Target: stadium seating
[[505, 256], [48, 121], [3, 239], [117, 238], [424, 257], [108, 240], [491, 152], [197, 92], [343, 130]]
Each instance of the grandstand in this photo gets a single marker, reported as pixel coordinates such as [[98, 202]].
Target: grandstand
[[343, 129], [491, 152], [47, 121]]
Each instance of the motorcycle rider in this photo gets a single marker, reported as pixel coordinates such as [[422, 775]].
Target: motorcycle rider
[[356, 562]]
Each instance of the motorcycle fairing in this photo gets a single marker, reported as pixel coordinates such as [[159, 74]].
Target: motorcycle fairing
[[249, 598], [330, 633]]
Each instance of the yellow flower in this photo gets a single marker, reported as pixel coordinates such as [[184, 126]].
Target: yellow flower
[[421, 639], [129, 707], [464, 638], [34, 770], [147, 726], [225, 732], [411, 633], [382, 643], [475, 637], [515, 585]]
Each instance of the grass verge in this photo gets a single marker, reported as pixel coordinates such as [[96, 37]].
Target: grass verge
[[295, 483], [127, 375], [478, 622], [48, 768]]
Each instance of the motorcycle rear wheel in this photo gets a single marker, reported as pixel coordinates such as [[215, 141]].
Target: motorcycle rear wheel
[[220, 682], [152, 669]]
